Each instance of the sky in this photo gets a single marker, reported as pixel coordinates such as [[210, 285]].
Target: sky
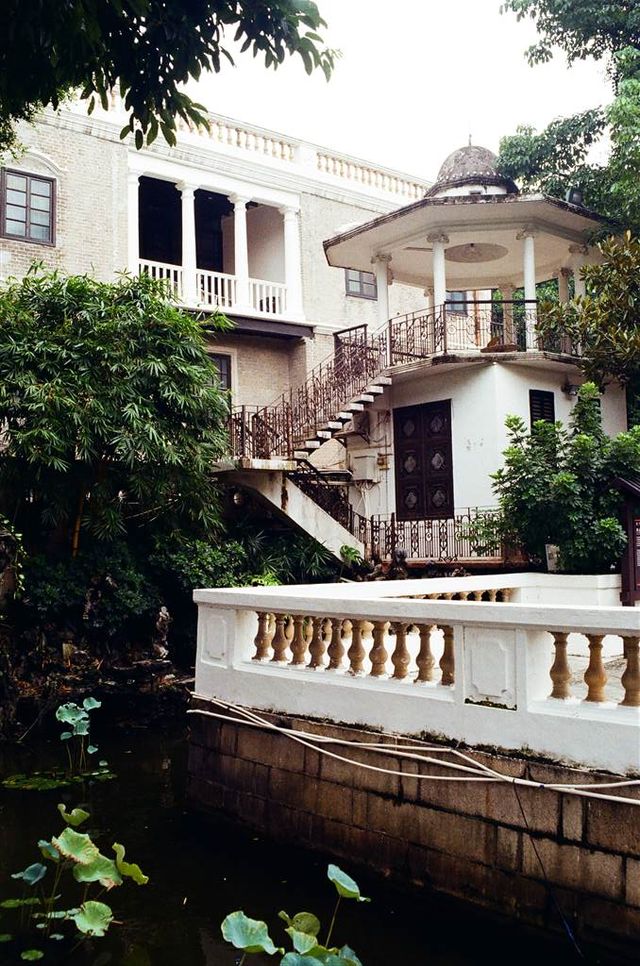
[[416, 78]]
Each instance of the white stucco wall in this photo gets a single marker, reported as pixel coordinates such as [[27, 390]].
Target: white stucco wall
[[265, 234], [482, 394]]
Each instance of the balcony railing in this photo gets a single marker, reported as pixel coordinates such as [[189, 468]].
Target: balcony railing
[[218, 290]]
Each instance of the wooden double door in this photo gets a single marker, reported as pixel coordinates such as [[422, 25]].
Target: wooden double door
[[423, 461]]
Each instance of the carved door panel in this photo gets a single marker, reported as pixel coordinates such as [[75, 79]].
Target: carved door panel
[[424, 470]]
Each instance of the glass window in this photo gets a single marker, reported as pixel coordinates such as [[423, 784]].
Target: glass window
[[27, 205], [223, 365], [360, 284], [457, 302]]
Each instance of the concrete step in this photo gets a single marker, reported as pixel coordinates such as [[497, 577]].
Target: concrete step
[[312, 444], [384, 380], [366, 397], [344, 417], [324, 434], [355, 407], [375, 390], [300, 454], [333, 424]]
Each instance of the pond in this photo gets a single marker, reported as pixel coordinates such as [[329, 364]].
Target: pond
[[201, 869]]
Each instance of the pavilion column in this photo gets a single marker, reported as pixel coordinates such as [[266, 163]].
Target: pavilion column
[[527, 236], [381, 266], [509, 335], [428, 294], [579, 253], [133, 222], [439, 241], [189, 266], [241, 250], [563, 285], [293, 261]]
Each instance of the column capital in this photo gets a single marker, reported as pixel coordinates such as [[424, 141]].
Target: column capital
[[186, 189], [578, 249], [239, 201], [381, 257], [565, 272], [289, 211], [438, 236], [527, 232], [133, 178]]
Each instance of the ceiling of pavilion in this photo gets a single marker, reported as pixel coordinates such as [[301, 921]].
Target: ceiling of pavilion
[[483, 248]]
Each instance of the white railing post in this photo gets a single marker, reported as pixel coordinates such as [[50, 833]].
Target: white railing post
[[189, 291]]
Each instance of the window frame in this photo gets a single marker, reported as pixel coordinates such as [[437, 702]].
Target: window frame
[[361, 294], [26, 238], [224, 355], [548, 395], [457, 306]]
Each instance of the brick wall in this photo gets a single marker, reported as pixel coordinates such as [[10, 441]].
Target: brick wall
[[474, 841]]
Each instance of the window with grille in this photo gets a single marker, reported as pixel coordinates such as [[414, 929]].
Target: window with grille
[[223, 365], [28, 205], [360, 284], [541, 406]]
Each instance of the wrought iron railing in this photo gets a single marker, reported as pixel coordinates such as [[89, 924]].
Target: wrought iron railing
[[445, 540]]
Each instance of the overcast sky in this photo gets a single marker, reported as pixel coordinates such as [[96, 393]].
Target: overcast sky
[[415, 79]]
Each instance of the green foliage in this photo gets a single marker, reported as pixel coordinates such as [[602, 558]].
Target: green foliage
[[76, 718], [252, 935], [146, 48], [556, 488], [110, 409], [605, 322], [557, 158], [76, 859]]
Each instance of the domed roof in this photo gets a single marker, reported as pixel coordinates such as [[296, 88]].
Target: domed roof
[[471, 165]]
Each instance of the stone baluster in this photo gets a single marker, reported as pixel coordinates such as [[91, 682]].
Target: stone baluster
[[560, 672], [400, 657], [447, 661], [262, 639], [464, 595], [318, 645], [356, 652], [493, 594], [308, 630], [506, 595], [631, 676], [280, 642], [288, 629], [425, 659], [595, 677], [299, 642], [379, 653], [477, 594], [336, 649]]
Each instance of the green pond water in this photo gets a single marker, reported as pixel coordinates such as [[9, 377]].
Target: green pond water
[[202, 869]]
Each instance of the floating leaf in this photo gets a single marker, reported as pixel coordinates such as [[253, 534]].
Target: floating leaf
[[5, 937], [90, 703], [70, 714], [18, 903], [129, 869], [57, 936], [76, 846], [103, 764], [92, 918], [250, 935], [32, 954], [345, 885], [75, 817], [35, 783], [102, 870], [66, 735], [32, 874]]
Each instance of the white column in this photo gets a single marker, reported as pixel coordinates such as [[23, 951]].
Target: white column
[[241, 250], [439, 240], [293, 262], [563, 285], [189, 287], [527, 235], [381, 268], [579, 253], [133, 222]]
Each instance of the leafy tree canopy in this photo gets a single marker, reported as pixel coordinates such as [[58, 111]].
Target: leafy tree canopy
[[147, 48], [556, 488], [605, 323], [110, 409], [557, 158]]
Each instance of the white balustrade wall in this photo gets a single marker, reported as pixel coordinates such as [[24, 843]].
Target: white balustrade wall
[[407, 658], [171, 274]]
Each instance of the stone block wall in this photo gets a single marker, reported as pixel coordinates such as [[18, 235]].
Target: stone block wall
[[515, 850]]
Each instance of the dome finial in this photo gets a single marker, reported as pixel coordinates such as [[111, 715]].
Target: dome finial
[[469, 140]]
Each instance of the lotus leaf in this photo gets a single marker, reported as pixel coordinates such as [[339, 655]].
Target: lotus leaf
[[92, 918], [90, 703], [303, 922], [295, 959], [18, 903], [48, 850], [32, 874], [75, 817], [32, 954], [66, 735], [102, 870], [57, 936], [76, 846], [129, 869], [349, 957], [70, 714], [91, 749], [345, 885], [36, 782], [250, 935], [302, 941], [82, 728], [5, 937]]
